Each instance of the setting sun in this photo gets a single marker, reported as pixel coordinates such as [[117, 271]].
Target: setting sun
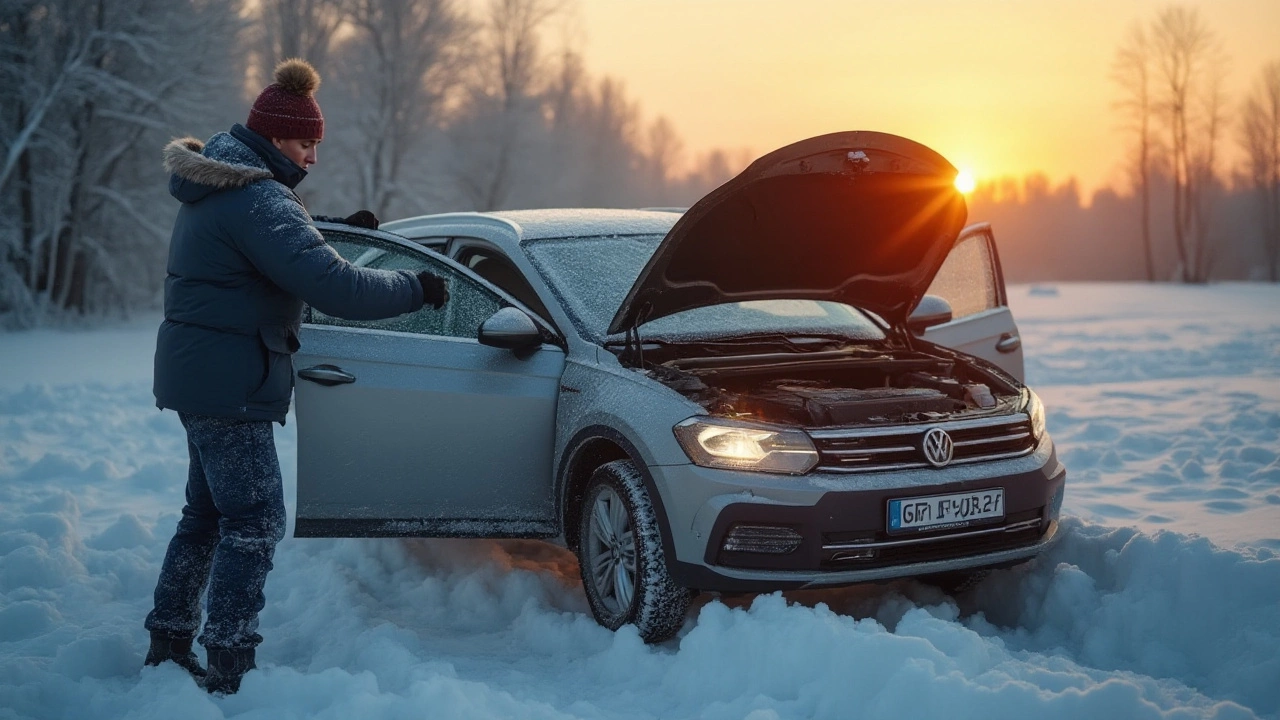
[[965, 182]]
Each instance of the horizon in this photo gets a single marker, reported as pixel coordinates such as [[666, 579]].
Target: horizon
[[718, 57]]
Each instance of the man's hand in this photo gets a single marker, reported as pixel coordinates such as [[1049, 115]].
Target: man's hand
[[360, 218], [435, 289]]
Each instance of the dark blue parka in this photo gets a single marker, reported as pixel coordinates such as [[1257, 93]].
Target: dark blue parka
[[243, 259]]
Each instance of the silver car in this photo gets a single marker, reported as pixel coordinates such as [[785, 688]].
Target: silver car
[[810, 378]]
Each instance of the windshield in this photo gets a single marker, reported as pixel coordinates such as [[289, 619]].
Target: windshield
[[592, 275]]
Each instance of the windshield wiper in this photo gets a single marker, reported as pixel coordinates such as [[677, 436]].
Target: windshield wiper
[[802, 342]]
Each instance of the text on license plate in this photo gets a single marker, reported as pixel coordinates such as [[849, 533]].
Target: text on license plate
[[953, 509]]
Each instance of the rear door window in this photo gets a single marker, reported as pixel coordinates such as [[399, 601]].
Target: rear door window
[[969, 279]]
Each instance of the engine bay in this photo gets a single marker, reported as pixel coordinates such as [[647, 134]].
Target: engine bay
[[846, 386]]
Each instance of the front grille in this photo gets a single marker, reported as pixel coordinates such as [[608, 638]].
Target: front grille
[[852, 450]]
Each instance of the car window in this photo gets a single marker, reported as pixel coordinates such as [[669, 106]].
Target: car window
[[498, 269], [968, 278], [470, 303]]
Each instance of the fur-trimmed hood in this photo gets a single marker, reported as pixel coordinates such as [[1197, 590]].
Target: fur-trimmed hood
[[230, 160], [224, 163]]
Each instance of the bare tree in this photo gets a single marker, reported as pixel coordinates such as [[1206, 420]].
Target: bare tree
[[609, 127], [663, 150], [1260, 136], [396, 72], [1189, 65], [564, 95], [1132, 70], [503, 114], [294, 28]]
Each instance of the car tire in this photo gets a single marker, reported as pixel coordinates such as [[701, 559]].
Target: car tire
[[623, 566]]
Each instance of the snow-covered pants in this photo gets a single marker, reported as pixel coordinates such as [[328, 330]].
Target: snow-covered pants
[[233, 519]]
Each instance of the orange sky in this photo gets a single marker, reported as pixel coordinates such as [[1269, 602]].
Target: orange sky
[[997, 86]]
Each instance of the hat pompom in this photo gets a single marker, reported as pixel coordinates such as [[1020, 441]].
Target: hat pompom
[[296, 75]]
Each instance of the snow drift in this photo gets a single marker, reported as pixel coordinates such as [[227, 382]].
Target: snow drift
[[1167, 411]]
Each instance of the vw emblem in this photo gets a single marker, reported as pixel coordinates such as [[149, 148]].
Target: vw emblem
[[938, 447]]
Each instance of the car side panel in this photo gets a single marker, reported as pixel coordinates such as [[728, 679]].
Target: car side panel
[[440, 430], [981, 335]]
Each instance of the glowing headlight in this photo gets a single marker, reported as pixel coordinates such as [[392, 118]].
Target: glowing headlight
[[1035, 409], [738, 446]]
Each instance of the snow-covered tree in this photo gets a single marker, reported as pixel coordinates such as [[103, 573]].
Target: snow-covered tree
[[92, 91]]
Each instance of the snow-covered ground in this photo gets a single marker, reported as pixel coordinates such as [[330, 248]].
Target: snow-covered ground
[[1163, 600]]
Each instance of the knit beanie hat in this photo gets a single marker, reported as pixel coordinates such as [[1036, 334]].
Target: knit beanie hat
[[287, 108]]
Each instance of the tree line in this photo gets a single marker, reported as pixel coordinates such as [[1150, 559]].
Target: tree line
[[438, 105], [1050, 232], [1188, 215], [430, 105]]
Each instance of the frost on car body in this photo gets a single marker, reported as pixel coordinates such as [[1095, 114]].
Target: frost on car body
[[809, 378]]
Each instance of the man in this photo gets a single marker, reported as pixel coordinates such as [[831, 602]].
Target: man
[[243, 258]]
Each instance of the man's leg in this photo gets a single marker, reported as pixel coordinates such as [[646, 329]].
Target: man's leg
[[243, 474], [176, 615]]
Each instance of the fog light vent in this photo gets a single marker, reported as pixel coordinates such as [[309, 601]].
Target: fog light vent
[[858, 554], [762, 539]]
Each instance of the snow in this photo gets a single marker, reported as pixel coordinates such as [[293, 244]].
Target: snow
[[1162, 600]]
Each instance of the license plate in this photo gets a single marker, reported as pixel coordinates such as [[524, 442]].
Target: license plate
[[938, 511]]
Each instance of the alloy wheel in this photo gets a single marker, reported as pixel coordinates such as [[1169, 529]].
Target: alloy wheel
[[611, 551]]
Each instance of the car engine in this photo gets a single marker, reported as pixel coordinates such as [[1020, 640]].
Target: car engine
[[846, 387]]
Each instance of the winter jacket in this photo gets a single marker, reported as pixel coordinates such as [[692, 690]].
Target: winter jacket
[[243, 258]]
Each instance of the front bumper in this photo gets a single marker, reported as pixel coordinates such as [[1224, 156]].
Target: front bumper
[[841, 523]]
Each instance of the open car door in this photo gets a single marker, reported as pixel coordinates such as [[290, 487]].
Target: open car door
[[410, 427], [971, 281]]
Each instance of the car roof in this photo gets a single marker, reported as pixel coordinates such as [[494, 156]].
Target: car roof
[[555, 222]]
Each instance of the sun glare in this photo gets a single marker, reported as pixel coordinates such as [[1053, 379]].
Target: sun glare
[[965, 182]]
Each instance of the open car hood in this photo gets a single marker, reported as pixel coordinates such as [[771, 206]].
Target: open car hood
[[861, 218]]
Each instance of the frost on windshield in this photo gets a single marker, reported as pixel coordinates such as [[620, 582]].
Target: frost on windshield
[[592, 276], [755, 317]]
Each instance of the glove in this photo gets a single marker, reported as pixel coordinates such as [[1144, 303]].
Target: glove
[[360, 218], [435, 289]]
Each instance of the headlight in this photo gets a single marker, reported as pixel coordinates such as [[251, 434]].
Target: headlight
[[1035, 409], [740, 446]]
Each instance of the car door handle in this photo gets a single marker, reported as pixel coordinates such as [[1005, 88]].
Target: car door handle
[[1008, 343], [326, 375]]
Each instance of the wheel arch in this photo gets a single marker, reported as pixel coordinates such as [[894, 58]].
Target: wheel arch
[[590, 448]]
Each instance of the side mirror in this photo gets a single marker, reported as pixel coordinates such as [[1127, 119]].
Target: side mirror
[[510, 329], [931, 311]]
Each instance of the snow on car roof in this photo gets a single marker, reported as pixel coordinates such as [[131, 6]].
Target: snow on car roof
[[585, 222], [548, 223]]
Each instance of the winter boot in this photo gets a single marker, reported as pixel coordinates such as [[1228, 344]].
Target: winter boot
[[226, 667], [178, 649]]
